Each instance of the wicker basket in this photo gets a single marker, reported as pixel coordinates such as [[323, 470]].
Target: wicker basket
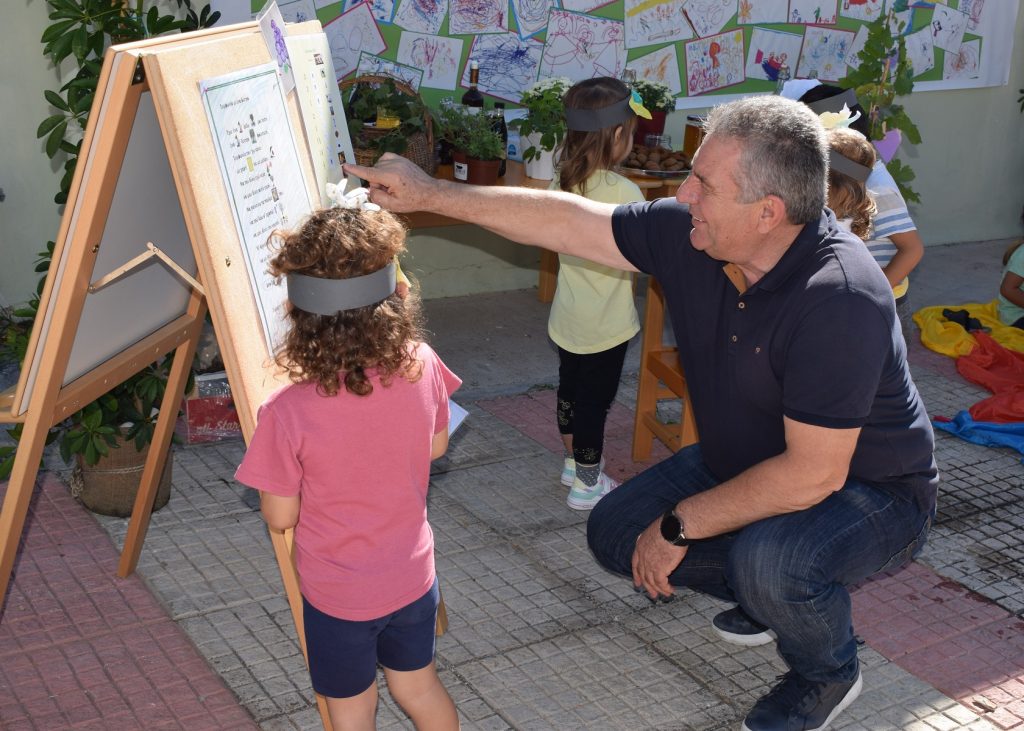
[[420, 148]]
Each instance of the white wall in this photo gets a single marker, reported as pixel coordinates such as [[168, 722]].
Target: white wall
[[28, 217], [970, 174]]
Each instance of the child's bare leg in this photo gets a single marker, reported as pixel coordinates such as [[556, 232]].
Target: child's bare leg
[[358, 713], [421, 695]]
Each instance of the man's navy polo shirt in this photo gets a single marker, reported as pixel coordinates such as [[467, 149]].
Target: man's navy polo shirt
[[816, 339]]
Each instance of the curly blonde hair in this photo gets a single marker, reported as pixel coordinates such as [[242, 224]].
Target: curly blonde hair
[[338, 243], [849, 198]]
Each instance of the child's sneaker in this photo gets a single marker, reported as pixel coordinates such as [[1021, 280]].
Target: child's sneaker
[[583, 497], [568, 471]]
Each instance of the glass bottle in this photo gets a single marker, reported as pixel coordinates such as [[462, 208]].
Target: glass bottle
[[473, 97], [782, 78], [500, 126]]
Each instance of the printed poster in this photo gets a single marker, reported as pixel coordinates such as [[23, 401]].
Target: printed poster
[[323, 114], [259, 163]]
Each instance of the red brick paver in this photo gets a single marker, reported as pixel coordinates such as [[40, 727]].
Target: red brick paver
[[82, 649]]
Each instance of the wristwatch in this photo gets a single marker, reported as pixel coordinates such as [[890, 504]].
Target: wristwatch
[[672, 529]]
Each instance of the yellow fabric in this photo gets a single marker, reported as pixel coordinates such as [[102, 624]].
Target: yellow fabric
[[948, 338], [901, 289], [593, 308]]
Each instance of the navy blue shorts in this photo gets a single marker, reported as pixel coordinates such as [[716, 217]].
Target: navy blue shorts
[[343, 654]]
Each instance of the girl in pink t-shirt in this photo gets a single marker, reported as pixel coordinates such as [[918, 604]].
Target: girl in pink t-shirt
[[343, 455]]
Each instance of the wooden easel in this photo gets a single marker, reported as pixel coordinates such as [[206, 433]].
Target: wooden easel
[[147, 118]]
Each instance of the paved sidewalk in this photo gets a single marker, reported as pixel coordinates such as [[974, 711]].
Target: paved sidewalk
[[540, 637]]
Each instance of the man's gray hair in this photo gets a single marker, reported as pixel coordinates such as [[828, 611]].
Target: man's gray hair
[[784, 152]]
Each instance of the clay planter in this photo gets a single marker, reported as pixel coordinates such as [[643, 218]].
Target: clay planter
[[653, 126], [473, 170]]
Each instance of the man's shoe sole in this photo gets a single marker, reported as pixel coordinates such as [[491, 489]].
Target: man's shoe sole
[[850, 697], [761, 638]]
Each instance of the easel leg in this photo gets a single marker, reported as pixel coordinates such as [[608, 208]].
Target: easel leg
[[19, 494], [160, 448], [282, 541]]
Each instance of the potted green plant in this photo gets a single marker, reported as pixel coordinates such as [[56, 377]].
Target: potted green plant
[[385, 115], [79, 34], [477, 146], [658, 100], [885, 73], [543, 128]]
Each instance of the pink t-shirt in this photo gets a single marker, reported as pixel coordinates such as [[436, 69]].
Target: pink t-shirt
[[361, 464]]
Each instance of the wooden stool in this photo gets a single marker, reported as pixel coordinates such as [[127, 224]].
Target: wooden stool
[[661, 377]]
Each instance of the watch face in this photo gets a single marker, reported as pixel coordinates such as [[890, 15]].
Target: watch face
[[670, 527]]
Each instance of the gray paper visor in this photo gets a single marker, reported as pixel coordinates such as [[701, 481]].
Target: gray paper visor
[[592, 120], [330, 296]]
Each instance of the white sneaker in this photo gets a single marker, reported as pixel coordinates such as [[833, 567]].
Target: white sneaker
[[568, 471], [583, 497]]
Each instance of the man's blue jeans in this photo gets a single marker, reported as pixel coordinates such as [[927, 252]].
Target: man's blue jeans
[[789, 572]]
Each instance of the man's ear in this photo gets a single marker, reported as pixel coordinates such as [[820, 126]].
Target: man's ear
[[771, 214]]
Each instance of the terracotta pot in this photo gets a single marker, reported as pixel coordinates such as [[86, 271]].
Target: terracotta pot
[[473, 170], [653, 126]]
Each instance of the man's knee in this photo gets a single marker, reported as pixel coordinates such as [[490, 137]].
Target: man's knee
[[605, 536]]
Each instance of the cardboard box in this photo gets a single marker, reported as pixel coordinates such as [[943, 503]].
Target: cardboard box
[[210, 414]]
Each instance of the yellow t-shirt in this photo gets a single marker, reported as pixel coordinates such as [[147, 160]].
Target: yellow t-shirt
[[593, 308]]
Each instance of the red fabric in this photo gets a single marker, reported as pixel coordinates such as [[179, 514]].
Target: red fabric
[[1001, 371]]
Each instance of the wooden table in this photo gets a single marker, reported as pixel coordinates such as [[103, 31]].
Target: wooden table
[[515, 174]]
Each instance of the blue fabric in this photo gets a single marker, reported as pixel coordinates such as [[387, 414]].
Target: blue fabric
[[986, 433], [789, 572]]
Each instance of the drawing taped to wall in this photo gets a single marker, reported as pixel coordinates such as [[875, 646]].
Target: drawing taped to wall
[[812, 12], [964, 64], [715, 62], [948, 27], [769, 51], [373, 65], [582, 46], [477, 16], [654, 21], [438, 56], [532, 15], [862, 10], [709, 16], [921, 51], [351, 34], [508, 64], [762, 11], [421, 16], [824, 53], [661, 66]]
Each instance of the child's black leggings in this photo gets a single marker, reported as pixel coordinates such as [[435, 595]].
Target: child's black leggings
[[586, 388]]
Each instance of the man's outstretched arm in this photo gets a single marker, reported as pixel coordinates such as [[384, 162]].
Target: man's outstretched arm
[[554, 220]]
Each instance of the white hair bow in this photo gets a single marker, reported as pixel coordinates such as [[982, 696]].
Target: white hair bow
[[357, 198], [842, 118]]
